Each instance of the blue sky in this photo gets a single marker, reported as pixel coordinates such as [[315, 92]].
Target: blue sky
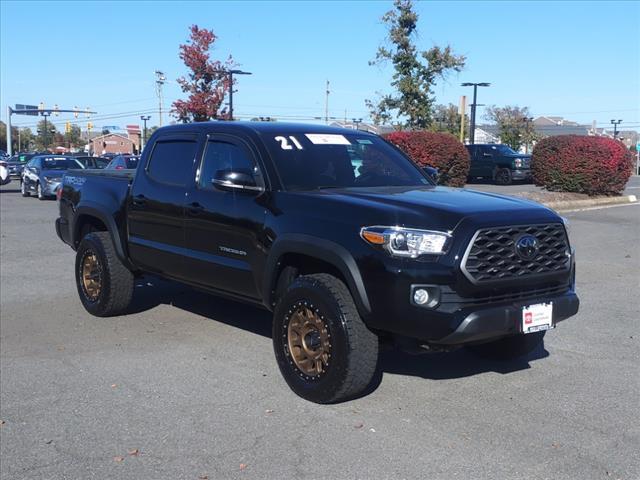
[[577, 59]]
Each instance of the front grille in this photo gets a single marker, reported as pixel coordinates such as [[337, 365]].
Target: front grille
[[492, 255]]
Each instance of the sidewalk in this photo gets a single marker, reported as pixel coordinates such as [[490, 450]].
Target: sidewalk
[[561, 201]]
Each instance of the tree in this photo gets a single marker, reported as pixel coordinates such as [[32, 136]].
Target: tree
[[47, 139], [447, 119], [415, 72], [208, 82], [514, 124], [73, 138]]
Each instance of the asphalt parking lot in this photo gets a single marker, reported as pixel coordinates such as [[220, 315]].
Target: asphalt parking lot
[[188, 387]]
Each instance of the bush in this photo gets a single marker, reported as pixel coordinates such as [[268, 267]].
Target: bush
[[439, 150], [573, 163]]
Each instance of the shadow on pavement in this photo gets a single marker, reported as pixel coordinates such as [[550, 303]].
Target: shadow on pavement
[[151, 292]]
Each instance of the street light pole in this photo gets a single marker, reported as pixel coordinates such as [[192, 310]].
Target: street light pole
[[231, 73], [45, 114], [615, 127], [472, 132], [144, 118]]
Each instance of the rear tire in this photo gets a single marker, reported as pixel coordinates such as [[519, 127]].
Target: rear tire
[[508, 348], [503, 177], [24, 190], [324, 350], [104, 284]]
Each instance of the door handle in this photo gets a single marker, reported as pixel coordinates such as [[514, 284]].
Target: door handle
[[139, 200], [195, 208]]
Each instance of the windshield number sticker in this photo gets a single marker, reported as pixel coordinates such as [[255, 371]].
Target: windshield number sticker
[[285, 145], [327, 139]]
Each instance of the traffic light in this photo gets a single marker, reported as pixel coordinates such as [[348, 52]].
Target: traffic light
[[67, 127], [90, 126]]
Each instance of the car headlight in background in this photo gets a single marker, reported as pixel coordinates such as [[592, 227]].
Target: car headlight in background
[[518, 162], [406, 242], [52, 179]]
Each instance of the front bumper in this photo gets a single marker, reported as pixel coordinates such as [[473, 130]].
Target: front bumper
[[521, 174], [500, 321], [50, 188]]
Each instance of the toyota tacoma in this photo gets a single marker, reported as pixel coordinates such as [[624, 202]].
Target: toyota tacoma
[[337, 232]]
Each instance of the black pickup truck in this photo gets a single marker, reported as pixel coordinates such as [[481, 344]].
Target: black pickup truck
[[337, 232], [498, 162]]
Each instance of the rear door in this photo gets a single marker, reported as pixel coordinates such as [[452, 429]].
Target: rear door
[[486, 160], [156, 205], [223, 226]]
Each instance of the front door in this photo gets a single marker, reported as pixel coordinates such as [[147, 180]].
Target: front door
[[223, 226], [156, 205]]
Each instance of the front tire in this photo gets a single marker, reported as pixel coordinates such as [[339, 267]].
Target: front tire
[[24, 190], [324, 350], [104, 284], [39, 192], [503, 177], [508, 348]]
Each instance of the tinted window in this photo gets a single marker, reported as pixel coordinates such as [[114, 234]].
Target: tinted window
[[60, 164], [311, 161], [132, 162], [222, 156], [172, 161]]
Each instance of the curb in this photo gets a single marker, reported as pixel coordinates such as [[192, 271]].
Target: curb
[[592, 202]]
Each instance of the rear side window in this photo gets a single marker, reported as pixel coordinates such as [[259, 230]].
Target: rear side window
[[172, 161]]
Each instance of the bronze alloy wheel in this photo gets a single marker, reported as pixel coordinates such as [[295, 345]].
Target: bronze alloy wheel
[[309, 340], [91, 276]]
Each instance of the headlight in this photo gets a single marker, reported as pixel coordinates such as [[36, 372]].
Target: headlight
[[51, 179], [406, 242], [518, 162]]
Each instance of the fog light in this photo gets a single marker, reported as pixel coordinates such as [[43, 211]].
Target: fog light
[[421, 296]]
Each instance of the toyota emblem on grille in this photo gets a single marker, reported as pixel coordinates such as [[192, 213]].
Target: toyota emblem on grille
[[527, 247]]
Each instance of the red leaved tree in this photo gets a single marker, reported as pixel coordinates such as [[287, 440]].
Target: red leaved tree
[[207, 84]]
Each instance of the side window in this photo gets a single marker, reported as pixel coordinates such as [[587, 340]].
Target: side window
[[172, 161], [221, 156]]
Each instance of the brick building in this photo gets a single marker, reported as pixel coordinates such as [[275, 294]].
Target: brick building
[[113, 143]]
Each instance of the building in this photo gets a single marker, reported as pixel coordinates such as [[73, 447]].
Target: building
[[365, 127], [113, 143]]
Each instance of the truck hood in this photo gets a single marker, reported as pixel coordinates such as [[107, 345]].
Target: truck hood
[[433, 207]]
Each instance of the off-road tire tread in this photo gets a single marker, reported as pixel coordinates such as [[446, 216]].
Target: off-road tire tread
[[120, 279], [363, 344]]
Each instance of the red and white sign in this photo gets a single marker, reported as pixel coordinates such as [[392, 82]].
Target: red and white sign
[[536, 318]]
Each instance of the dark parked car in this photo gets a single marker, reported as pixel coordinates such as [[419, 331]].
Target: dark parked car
[[498, 162], [124, 162], [93, 162], [16, 163], [43, 174], [337, 232]]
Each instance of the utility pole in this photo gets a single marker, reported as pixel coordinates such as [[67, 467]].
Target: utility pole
[[462, 109], [144, 118], [326, 104], [472, 132], [615, 128], [160, 79]]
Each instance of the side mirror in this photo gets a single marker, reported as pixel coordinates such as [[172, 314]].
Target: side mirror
[[432, 173], [235, 179]]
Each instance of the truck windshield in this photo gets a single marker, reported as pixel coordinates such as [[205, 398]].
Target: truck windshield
[[311, 161], [505, 150]]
